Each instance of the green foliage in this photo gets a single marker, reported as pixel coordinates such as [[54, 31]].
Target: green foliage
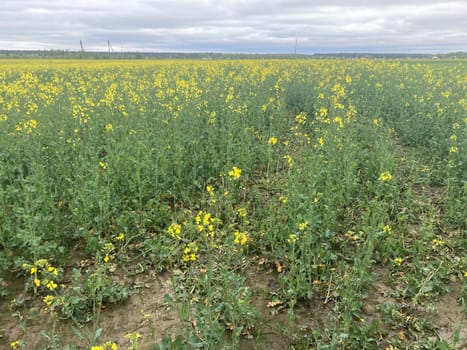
[[326, 170]]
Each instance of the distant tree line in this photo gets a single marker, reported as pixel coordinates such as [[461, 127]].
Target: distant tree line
[[210, 55]]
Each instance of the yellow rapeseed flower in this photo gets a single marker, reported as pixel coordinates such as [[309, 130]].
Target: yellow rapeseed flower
[[235, 173], [175, 230], [212, 117], [242, 212], [134, 336], [106, 346], [292, 238], [42, 263], [120, 237], [189, 253], [198, 217], [210, 189], [385, 176], [48, 300], [240, 237], [103, 165], [31, 124], [301, 118], [207, 219], [108, 247], [338, 120], [272, 140], [323, 112], [53, 270], [289, 159], [437, 242], [51, 285]]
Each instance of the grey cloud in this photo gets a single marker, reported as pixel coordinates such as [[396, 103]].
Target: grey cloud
[[236, 25]]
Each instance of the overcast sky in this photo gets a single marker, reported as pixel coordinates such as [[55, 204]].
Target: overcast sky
[[256, 26]]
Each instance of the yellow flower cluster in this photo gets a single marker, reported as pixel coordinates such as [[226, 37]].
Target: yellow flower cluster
[[242, 212], [272, 140], [189, 253], [205, 223], [107, 249], [26, 126], [289, 160], [106, 346], [43, 274], [293, 238], [235, 173], [120, 237], [175, 230], [212, 194], [48, 300], [15, 344], [210, 190], [240, 238], [103, 165], [385, 176], [437, 243], [301, 118]]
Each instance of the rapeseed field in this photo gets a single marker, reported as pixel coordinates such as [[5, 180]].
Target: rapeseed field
[[285, 204]]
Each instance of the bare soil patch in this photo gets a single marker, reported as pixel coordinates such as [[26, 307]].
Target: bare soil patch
[[147, 313]]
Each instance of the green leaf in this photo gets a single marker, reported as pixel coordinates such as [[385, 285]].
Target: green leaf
[[97, 334]]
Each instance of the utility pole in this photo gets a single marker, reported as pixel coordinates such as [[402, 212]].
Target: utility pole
[[295, 50], [82, 46], [109, 45]]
